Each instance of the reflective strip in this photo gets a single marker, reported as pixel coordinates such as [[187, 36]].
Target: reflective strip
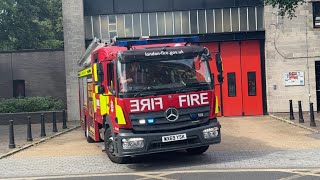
[[120, 115], [217, 109], [91, 130], [95, 72], [96, 89], [94, 101], [85, 72], [104, 100]]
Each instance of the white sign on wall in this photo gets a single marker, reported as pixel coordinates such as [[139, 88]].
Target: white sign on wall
[[294, 78]]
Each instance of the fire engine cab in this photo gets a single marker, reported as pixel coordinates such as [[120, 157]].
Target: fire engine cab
[[149, 96]]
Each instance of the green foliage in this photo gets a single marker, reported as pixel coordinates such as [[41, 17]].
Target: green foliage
[[30, 24], [286, 7], [30, 104]]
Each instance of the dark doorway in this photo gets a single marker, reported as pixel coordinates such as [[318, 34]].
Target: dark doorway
[[18, 88], [318, 84]]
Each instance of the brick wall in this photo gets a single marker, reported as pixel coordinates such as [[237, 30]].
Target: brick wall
[[74, 47], [43, 72], [289, 37]]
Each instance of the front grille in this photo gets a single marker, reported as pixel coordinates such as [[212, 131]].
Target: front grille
[[162, 124]]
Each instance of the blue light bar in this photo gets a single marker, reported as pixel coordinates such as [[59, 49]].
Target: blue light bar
[[158, 41]]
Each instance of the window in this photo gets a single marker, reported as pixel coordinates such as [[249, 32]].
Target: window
[[232, 84], [252, 86], [19, 88], [316, 14], [110, 76]]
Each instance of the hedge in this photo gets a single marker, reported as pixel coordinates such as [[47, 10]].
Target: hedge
[[30, 104]]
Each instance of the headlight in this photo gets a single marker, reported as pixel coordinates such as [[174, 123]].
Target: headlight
[[210, 133], [132, 143]]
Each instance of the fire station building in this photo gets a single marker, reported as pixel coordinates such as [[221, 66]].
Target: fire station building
[[267, 60]]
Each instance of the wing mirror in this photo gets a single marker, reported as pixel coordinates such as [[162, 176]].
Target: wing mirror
[[100, 76], [206, 56]]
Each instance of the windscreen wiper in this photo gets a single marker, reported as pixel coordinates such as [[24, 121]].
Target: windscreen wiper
[[145, 89], [192, 85]]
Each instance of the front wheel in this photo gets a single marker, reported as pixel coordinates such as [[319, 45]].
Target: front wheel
[[110, 149], [197, 150]]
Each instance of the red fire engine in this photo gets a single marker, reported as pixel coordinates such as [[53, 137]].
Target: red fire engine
[[149, 96]]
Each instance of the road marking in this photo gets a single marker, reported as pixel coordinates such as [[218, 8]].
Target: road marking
[[154, 176], [160, 174], [302, 174], [291, 177]]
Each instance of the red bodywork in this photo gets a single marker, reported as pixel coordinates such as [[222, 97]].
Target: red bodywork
[[129, 105]]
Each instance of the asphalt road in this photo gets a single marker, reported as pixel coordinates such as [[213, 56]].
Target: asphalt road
[[236, 174], [251, 148]]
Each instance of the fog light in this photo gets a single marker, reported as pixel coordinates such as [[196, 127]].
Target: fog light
[[211, 133], [132, 143]]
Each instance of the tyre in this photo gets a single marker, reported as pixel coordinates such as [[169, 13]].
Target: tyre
[[197, 150], [86, 133], [109, 149]]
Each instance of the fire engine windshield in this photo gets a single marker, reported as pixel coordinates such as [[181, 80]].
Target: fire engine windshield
[[163, 76]]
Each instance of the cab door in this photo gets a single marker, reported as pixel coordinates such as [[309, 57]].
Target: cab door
[[214, 48]]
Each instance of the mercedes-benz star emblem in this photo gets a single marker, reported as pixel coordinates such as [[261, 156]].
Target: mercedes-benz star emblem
[[172, 114]]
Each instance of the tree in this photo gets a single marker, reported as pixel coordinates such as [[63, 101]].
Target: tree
[[30, 24], [286, 7]]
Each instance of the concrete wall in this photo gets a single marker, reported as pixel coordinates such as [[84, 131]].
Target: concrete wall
[[6, 75], [74, 44], [43, 72], [289, 37]]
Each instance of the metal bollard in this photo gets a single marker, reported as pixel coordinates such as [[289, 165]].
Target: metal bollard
[[291, 110], [312, 121], [43, 128], [54, 122], [29, 132], [11, 135], [64, 120], [301, 120]]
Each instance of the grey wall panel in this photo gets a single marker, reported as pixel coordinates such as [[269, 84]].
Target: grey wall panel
[[156, 6], [5, 76], [96, 7], [99, 7], [128, 6], [188, 4]]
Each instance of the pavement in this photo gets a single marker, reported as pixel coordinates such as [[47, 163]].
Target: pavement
[[20, 134], [306, 119], [251, 148]]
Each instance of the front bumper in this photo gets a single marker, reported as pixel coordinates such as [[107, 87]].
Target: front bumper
[[153, 141]]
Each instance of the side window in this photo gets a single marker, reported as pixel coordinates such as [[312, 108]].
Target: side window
[[252, 87], [232, 84], [110, 76]]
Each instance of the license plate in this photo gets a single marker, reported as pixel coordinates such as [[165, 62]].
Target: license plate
[[171, 138]]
